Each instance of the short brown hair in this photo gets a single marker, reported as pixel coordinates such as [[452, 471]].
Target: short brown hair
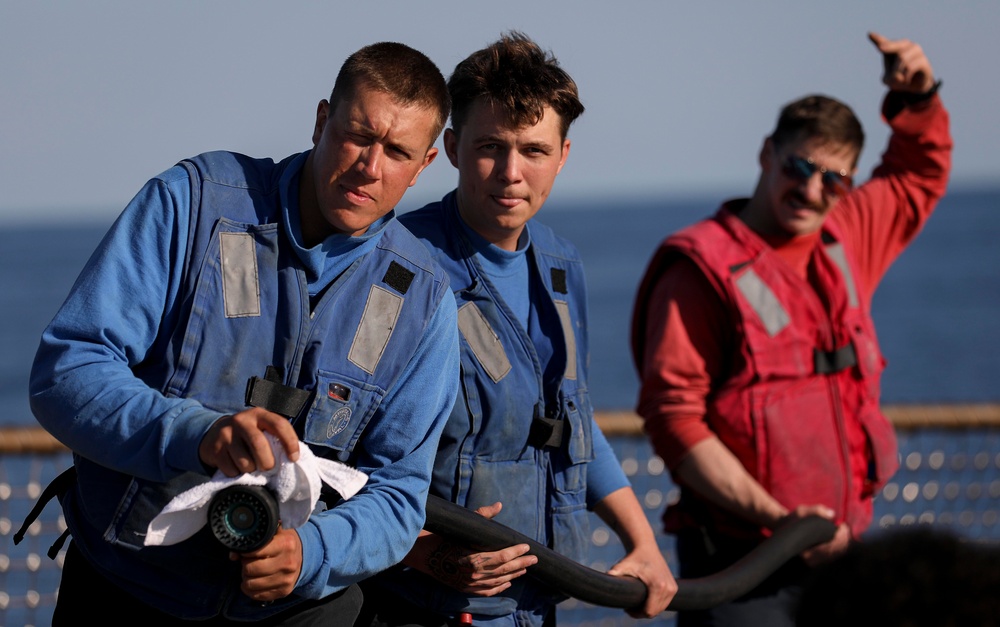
[[517, 77], [396, 69], [819, 117]]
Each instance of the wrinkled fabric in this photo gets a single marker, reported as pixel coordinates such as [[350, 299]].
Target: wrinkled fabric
[[152, 347], [296, 486]]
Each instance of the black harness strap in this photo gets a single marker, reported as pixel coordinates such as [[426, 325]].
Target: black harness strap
[[545, 432], [56, 488], [834, 361], [270, 394]]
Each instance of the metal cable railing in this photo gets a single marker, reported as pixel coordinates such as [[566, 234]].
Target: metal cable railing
[[950, 476]]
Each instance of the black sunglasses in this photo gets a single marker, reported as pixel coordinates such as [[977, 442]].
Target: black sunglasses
[[800, 169]]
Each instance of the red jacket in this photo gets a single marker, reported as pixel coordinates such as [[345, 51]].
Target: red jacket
[[809, 364], [716, 356]]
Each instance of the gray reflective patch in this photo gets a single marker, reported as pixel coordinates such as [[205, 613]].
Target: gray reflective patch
[[240, 285], [567, 326], [375, 329], [763, 301], [836, 252], [483, 341]]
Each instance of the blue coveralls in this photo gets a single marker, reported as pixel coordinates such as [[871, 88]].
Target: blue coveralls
[[513, 380], [201, 284]]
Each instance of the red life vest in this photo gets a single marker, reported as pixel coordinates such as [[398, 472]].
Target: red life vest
[[802, 399]]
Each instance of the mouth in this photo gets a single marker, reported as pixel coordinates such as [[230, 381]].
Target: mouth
[[508, 202], [798, 203], [355, 196]]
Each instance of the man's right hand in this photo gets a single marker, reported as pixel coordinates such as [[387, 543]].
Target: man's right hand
[[828, 550], [235, 444], [480, 573]]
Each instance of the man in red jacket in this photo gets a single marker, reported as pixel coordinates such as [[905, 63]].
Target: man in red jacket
[[754, 340]]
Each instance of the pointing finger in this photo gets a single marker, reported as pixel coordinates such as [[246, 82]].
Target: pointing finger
[[886, 45], [877, 39]]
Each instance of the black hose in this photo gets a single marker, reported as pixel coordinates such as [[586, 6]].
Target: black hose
[[578, 581]]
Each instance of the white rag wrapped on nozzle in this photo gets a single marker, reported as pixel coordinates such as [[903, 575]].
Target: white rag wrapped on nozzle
[[296, 485]]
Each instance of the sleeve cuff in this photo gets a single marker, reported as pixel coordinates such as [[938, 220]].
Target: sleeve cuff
[[191, 425], [897, 101], [312, 562]]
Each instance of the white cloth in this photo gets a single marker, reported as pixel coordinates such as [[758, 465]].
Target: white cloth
[[295, 484]]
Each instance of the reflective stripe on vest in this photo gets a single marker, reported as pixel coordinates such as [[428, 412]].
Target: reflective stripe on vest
[[774, 317], [483, 341], [836, 253], [763, 301], [567, 326]]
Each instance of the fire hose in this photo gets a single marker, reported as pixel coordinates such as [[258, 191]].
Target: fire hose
[[580, 582], [238, 522], [243, 518], [241, 521]]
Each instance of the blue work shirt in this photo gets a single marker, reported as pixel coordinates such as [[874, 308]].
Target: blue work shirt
[[146, 354]]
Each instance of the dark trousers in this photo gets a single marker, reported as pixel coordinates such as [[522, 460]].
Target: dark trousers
[[383, 609], [85, 594], [771, 604]]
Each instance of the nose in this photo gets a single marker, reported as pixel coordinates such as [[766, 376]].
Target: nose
[[370, 161], [509, 167], [813, 187]]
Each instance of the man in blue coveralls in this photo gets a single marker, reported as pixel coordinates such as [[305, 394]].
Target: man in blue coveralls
[[521, 445], [226, 267]]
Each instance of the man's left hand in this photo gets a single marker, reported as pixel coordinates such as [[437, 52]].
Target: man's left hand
[[907, 68], [648, 566], [828, 550], [822, 553], [270, 572]]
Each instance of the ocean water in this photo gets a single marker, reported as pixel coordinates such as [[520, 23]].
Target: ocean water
[[935, 312], [936, 309]]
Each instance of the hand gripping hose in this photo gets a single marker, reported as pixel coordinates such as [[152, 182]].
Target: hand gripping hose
[[597, 588]]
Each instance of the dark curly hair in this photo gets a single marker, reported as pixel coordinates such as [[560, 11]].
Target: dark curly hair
[[517, 77]]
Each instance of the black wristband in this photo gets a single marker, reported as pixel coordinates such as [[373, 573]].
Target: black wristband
[[911, 99]]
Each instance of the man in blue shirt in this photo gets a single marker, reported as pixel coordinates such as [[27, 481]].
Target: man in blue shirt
[[225, 268], [521, 445]]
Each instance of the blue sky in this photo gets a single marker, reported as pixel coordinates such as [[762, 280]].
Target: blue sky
[[97, 97]]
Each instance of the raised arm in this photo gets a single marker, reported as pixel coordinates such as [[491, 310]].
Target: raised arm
[[886, 213]]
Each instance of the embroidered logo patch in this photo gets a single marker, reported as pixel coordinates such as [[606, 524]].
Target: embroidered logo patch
[[338, 422]]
